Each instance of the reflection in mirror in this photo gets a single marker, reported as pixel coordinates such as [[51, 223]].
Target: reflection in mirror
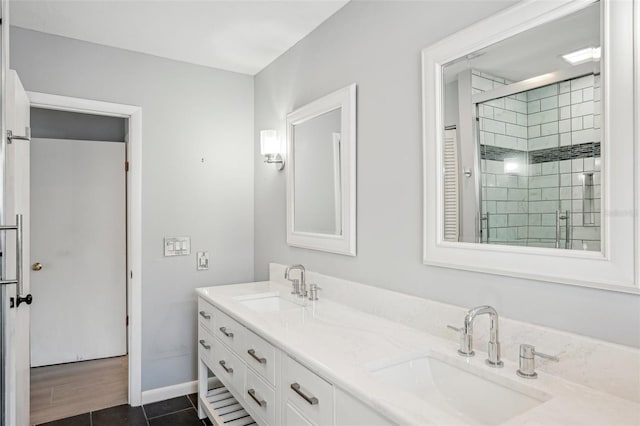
[[321, 178], [522, 138], [317, 174]]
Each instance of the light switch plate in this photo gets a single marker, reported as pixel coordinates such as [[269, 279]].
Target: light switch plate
[[202, 260], [177, 246]]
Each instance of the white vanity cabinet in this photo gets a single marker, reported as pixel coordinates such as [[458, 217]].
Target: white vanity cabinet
[[270, 385], [350, 411], [308, 392]]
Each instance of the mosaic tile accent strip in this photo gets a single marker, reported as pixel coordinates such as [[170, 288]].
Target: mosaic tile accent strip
[[497, 153], [583, 150]]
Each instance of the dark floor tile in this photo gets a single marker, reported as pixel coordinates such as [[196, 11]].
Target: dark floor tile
[[194, 399], [122, 415], [81, 420], [207, 422], [166, 407], [181, 418]]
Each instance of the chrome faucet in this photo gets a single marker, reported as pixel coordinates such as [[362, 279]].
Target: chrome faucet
[[299, 287], [466, 335]]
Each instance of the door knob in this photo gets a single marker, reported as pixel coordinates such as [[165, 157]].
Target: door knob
[[36, 266]]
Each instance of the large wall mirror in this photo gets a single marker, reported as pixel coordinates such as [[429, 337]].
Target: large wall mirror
[[529, 145], [321, 147]]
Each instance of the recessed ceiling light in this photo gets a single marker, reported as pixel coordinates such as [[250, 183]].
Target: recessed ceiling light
[[583, 55]]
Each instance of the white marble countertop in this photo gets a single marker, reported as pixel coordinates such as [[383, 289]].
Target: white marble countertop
[[341, 344]]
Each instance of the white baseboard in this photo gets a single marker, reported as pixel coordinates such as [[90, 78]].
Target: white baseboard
[[167, 392]]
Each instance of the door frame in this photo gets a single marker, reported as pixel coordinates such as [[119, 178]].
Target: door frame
[[134, 216]]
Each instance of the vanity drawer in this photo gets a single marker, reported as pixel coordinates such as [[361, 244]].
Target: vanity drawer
[[260, 397], [228, 367], [293, 418], [229, 331], [260, 355], [205, 344], [205, 313], [350, 411], [308, 392]]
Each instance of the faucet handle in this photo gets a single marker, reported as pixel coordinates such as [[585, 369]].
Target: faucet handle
[[545, 356], [527, 366], [466, 341], [529, 351], [313, 291]]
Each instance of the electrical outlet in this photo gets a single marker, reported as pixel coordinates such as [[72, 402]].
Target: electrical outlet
[[202, 260]]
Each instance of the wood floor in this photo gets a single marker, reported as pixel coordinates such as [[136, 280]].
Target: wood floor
[[65, 390]]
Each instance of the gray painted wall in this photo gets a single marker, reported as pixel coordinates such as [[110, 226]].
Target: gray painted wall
[[189, 113], [377, 45], [52, 124]]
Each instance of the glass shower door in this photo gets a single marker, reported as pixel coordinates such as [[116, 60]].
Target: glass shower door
[[502, 141], [548, 214], [539, 156]]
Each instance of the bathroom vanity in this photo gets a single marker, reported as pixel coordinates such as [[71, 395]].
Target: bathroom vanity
[[266, 376], [332, 362]]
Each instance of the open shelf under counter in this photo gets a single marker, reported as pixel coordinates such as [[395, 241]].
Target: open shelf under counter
[[222, 408]]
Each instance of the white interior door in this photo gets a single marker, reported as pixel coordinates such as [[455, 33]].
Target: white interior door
[[78, 218], [16, 201]]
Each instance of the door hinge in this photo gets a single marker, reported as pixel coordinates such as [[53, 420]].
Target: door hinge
[[127, 321], [126, 166]]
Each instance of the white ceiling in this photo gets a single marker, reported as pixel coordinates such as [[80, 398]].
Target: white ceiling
[[536, 51], [242, 36]]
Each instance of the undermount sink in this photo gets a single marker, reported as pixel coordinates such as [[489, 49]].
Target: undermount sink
[[458, 389], [267, 302]]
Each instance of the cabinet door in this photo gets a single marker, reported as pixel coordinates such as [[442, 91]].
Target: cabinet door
[[292, 417], [261, 398], [205, 314], [350, 411], [228, 368], [229, 331], [308, 392], [205, 345], [259, 355]]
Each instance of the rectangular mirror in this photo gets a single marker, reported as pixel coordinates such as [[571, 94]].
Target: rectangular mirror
[[525, 135], [321, 141], [530, 145]]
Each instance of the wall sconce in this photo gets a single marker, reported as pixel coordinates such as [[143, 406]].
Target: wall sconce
[[270, 148]]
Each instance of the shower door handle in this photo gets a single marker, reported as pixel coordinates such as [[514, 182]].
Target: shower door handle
[[564, 217], [481, 219], [567, 227]]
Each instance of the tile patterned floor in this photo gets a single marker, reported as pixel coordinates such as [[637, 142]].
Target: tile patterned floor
[[180, 411]]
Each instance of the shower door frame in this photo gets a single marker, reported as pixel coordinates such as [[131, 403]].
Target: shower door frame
[[4, 66], [502, 92]]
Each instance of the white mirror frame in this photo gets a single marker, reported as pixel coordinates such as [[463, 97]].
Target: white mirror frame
[[345, 243], [616, 267]]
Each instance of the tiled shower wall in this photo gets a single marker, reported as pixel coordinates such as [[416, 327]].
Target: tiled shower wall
[[564, 143], [503, 125], [559, 150]]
